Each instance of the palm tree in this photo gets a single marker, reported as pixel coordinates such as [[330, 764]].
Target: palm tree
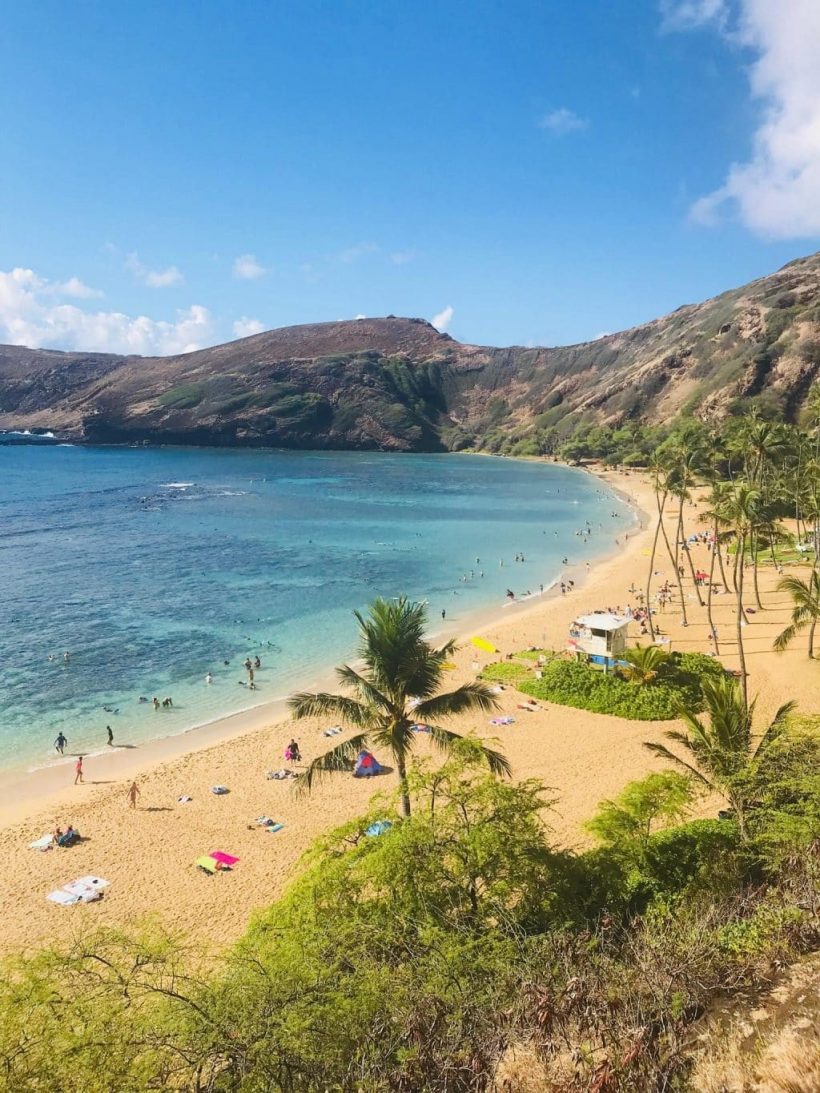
[[741, 511], [806, 598], [722, 749], [644, 664], [399, 666], [661, 489], [715, 516]]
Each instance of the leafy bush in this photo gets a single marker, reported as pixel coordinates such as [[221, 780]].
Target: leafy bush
[[506, 671], [184, 397], [571, 683]]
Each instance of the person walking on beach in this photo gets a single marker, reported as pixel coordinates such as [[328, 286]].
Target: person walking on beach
[[60, 743], [443, 614], [110, 736], [78, 771], [133, 793]]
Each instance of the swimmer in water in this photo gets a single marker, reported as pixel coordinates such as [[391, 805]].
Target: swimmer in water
[[209, 678]]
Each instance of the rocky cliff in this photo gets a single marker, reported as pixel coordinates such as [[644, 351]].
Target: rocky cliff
[[399, 384]]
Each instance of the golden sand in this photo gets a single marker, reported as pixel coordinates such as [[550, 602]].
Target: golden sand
[[147, 853]]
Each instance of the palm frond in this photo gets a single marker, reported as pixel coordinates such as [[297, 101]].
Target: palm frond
[[787, 636], [470, 696], [337, 759], [369, 694], [305, 704], [775, 728], [445, 739], [665, 753]]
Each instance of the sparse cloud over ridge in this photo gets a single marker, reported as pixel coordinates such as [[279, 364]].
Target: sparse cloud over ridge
[[443, 319], [32, 314], [245, 327]]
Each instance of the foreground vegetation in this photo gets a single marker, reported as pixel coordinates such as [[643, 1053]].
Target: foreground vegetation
[[417, 958]]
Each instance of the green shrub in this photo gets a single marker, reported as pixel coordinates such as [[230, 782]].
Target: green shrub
[[572, 683], [184, 397], [506, 671]]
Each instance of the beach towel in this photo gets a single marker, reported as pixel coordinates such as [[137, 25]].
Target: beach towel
[[83, 890], [502, 720], [420, 728], [273, 827], [43, 843], [280, 775], [218, 790], [486, 646], [87, 886], [60, 896], [333, 731], [206, 864], [223, 858], [378, 828]]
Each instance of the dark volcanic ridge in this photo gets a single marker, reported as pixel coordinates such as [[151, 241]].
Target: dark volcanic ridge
[[399, 384]]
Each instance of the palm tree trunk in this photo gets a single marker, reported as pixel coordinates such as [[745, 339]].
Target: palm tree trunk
[[401, 766], [688, 554], [648, 604], [754, 543], [677, 573], [741, 618], [811, 639], [720, 560], [712, 630]]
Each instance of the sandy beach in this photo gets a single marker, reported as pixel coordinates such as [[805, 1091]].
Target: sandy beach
[[147, 853]]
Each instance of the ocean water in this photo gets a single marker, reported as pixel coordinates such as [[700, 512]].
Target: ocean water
[[152, 567]]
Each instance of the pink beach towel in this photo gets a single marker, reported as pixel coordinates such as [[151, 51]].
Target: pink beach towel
[[222, 858]]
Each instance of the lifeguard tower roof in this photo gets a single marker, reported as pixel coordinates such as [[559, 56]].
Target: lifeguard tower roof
[[604, 621]]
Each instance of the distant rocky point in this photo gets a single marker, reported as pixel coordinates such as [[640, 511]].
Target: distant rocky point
[[400, 385]]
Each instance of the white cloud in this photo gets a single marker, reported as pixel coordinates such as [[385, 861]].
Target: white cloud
[[247, 268], [402, 257], [776, 192], [76, 288], [688, 14], [154, 278], [244, 327], [442, 320], [357, 251], [30, 316], [563, 121]]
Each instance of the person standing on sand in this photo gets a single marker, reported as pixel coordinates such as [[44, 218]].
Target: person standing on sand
[[133, 793], [78, 771], [60, 743], [110, 736]]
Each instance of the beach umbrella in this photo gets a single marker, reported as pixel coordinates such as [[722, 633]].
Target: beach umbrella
[[487, 646]]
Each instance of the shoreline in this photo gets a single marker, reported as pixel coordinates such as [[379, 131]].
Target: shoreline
[[49, 786], [147, 853]]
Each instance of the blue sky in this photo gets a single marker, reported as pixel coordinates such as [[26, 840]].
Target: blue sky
[[528, 172]]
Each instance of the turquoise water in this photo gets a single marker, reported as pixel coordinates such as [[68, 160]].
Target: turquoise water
[[153, 567]]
